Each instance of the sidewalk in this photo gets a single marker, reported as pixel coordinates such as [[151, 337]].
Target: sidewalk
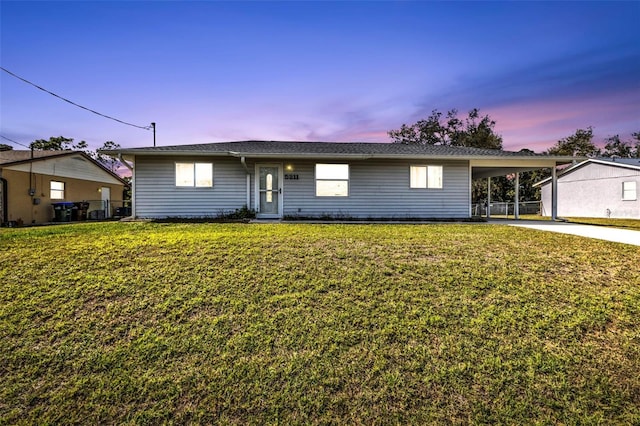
[[607, 233]]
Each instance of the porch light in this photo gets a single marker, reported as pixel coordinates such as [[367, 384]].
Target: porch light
[[289, 167]]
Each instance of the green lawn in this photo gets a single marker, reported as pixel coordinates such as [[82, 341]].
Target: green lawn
[[615, 223], [128, 323]]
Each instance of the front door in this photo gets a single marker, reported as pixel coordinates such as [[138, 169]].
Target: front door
[[269, 190], [106, 201]]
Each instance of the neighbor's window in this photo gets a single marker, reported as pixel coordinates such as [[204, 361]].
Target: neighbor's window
[[194, 174], [629, 191], [57, 190], [332, 180], [425, 177]]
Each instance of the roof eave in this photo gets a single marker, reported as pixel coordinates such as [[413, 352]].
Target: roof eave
[[238, 154]]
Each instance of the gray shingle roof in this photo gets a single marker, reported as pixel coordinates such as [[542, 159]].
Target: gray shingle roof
[[338, 149]]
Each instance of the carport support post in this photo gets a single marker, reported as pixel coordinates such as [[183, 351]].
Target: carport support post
[[516, 206], [488, 198], [554, 194]]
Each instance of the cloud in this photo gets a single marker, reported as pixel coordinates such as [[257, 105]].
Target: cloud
[[537, 104], [578, 76]]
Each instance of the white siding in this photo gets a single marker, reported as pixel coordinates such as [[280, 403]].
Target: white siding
[[594, 190], [157, 195], [377, 189]]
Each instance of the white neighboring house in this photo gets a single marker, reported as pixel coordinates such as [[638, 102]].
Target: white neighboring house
[[604, 187]]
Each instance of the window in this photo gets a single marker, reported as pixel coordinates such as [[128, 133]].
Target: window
[[332, 180], [425, 177], [56, 190], [194, 174], [629, 192]]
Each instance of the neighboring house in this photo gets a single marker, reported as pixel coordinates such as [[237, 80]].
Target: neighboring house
[[32, 182], [315, 179], [603, 187]]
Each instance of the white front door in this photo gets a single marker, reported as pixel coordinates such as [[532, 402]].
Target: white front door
[[269, 191], [106, 201]]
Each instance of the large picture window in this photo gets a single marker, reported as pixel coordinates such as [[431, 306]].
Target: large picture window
[[332, 180], [199, 175], [425, 176], [629, 191], [56, 190]]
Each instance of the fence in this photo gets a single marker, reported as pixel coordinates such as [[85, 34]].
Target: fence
[[101, 209], [91, 210], [507, 209]]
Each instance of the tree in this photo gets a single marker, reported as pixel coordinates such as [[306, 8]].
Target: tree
[[59, 143], [474, 131], [424, 132], [5, 147], [579, 144], [614, 146], [111, 163]]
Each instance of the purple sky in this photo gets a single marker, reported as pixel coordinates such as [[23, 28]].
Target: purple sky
[[329, 71]]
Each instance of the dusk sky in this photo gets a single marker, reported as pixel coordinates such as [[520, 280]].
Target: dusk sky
[[322, 71]]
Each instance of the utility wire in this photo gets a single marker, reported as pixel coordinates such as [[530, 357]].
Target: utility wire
[[73, 103], [16, 142]]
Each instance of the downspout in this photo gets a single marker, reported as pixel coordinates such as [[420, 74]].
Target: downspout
[[133, 184], [122, 160], [246, 169]]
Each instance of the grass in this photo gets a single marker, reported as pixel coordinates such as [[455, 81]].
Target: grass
[[316, 324], [633, 224], [616, 223]]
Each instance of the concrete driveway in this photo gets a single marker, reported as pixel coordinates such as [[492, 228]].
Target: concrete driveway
[[607, 233]]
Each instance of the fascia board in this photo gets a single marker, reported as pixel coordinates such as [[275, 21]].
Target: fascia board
[[478, 160]]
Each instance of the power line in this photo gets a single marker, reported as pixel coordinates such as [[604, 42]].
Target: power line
[[73, 103], [16, 142]]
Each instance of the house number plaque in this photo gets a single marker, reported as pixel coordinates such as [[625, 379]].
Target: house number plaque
[[289, 176]]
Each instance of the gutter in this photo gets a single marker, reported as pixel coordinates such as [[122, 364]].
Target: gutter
[[346, 156]]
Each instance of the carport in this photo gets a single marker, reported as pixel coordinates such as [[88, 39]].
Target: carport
[[487, 168]]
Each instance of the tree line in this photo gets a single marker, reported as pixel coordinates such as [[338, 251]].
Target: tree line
[[478, 131], [473, 131]]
